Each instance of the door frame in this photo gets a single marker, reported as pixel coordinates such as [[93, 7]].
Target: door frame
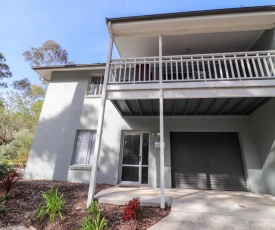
[[131, 132]]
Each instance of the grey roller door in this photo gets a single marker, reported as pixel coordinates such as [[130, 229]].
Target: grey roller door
[[207, 160]]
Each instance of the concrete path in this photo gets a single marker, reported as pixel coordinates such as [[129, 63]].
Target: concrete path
[[122, 195], [202, 209], [194, 209]]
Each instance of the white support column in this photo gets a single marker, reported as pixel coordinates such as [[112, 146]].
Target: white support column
[[100, 126], [161, 124]]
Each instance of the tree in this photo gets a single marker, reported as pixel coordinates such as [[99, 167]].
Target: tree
[[19, 114], [4, 71], [22, 85], [50, 53]]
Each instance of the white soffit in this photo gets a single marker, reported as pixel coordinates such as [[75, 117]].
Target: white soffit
[[195, 43], [46, 72], [195, 25]]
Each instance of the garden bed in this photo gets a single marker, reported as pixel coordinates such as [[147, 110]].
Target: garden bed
[[26, 195]]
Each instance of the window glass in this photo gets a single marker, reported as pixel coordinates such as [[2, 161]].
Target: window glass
[[95, 88], [84, 147]]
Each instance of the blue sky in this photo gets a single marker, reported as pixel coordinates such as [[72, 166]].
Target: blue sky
[[79, 26]]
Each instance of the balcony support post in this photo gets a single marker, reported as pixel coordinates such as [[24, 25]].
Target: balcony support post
[[161, 124], [92, 184]]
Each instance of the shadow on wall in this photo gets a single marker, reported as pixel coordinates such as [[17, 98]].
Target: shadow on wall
[[52, 149], [264, 132], [108, 162]]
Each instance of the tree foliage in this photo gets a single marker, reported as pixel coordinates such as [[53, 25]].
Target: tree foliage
[[22, 85], [50, 53], [4, 71], [19, 115]]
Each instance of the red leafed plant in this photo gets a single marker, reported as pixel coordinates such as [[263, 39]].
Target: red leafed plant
[[132, 209], [8, 176]]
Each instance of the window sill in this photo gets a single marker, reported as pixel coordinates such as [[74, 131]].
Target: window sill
[[81, 167], [93, 96]]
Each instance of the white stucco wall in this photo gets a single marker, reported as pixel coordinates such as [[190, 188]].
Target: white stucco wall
[[51, 152], [67, 109], [263, 123]]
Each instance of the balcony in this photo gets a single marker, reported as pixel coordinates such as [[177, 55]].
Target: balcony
[[241, 66]]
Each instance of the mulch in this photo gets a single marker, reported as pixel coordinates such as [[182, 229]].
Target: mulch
[[26, 195]]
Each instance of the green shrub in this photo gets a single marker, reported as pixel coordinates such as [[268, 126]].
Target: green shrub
[[18, 149], [93, 208], [51, 206], [2, 203], [8, 177], [94, 220], [93, 224]]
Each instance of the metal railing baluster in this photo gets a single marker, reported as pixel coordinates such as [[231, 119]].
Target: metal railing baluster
[[181, 65], [171, 69], [248, 66], [231, 68], [255, 67], [225, 66], [119, 78], [149, 78], [220, 67], [266, 67], [215, 69], [271, 64], [129, 75], [203, 68], [177, 72], [154, 69], [144, 70], [135, 70], [260, 65], [193, 71], [125, 68], [139, 72], [166, 71], [243, 68], [198, 69], [209, 69], [237, 67]]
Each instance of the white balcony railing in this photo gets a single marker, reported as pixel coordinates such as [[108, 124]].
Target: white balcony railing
[[206, 67]]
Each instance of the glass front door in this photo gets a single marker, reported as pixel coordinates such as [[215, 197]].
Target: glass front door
[[135, 158]]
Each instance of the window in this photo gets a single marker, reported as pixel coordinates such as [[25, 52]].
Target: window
[[95, 88], [84, 147]]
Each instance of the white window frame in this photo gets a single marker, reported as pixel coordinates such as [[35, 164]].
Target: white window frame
[[95, 86], [89, 150]]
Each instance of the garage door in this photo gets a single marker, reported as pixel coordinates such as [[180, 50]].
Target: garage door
[[207, 160]]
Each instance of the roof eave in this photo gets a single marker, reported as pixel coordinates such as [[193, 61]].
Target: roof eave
[[192, 14], [46, 71]]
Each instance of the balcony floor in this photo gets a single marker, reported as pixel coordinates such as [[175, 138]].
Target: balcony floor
[[191, 107]]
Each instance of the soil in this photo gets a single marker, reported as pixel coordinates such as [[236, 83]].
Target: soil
[[26, 195]]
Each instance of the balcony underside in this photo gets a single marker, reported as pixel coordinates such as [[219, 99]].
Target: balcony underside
[[191, 107]]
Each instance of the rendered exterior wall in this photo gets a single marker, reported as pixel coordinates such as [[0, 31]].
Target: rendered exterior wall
[[265, 42], [51, 152], [263, 124], [67, 108]]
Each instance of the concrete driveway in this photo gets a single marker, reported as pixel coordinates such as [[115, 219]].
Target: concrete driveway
[[200, 209]]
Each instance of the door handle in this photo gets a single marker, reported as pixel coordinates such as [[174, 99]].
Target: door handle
[[139, 158]]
